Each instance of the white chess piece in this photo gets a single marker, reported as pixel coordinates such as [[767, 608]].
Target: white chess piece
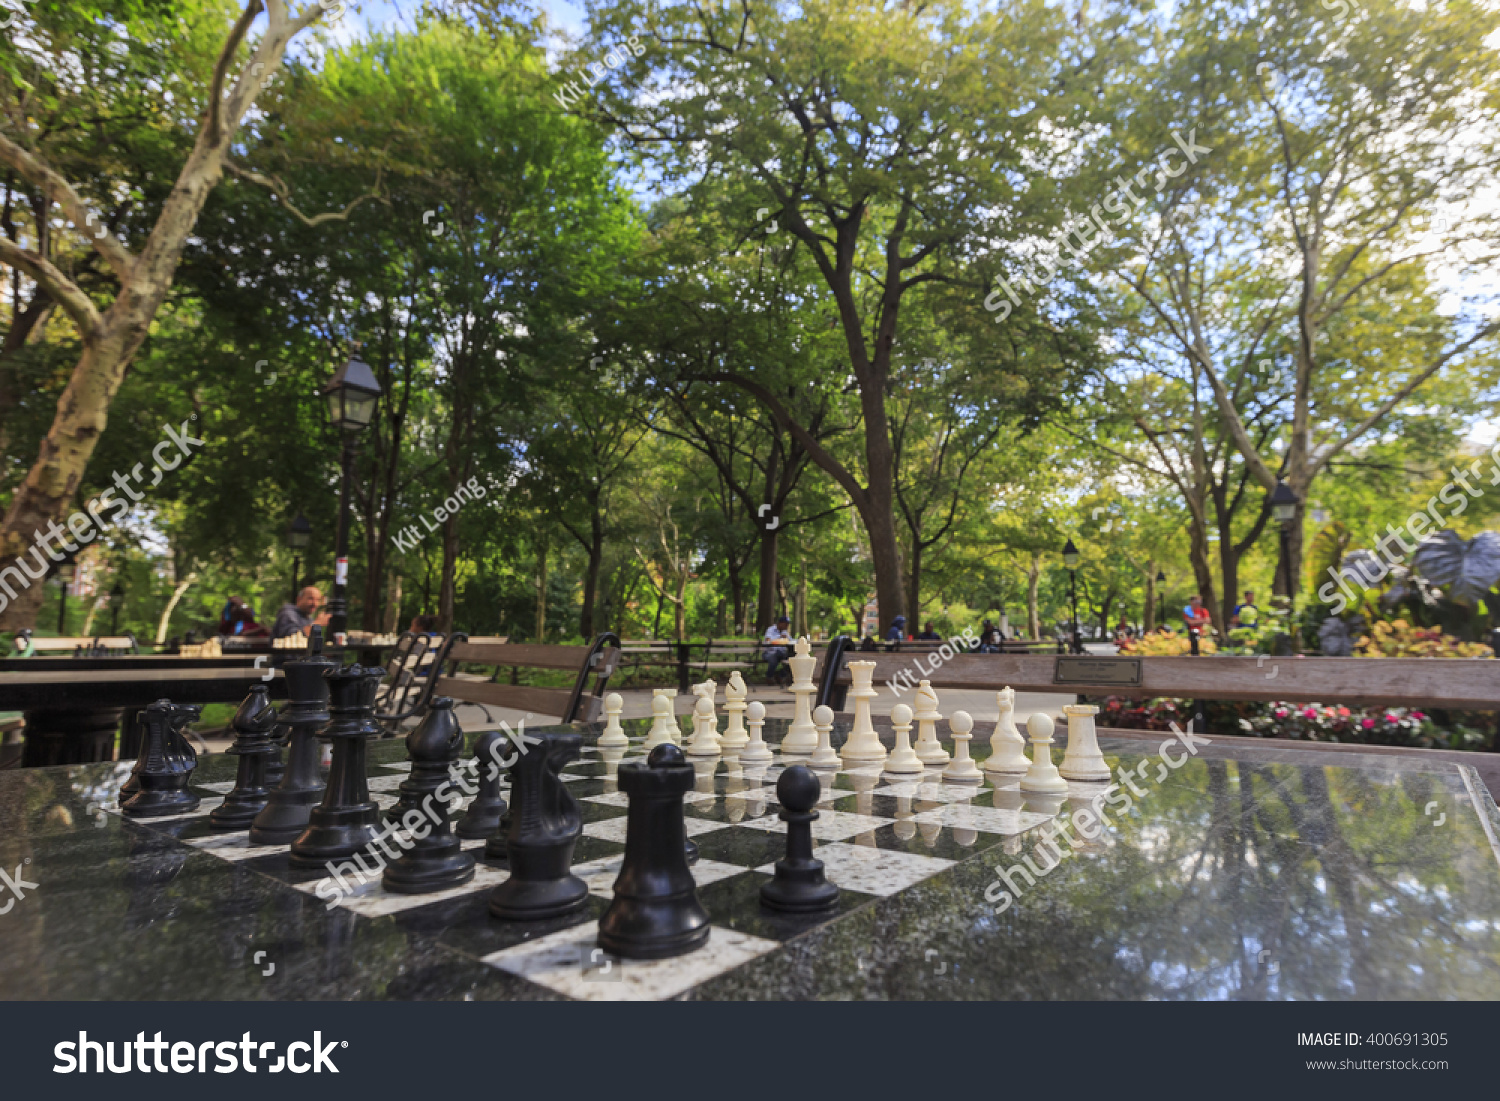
[[614, 733], [802, 736], [756, 748], [824, 755], [903, 760], [705, 740], [707, 688], [663, 723], [1007, 747], [1082, 759], [963, 770], [863, 746], [929, 750], [734, 736], [1043, 775]]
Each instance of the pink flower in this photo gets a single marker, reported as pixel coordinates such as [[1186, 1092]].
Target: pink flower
[[1309, 714], [1368, 724], [1281, 712], [1389, 717], [1418, 715]]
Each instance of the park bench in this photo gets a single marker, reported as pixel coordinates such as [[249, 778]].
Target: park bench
[[581, 703], [26, 643], [1465, 684]]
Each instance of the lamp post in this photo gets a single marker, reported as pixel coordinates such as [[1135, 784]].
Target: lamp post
[[351, 396], [1284, 504], [116, 602], [1070, 559], [1161, 598], [65, 572], [298, 535]]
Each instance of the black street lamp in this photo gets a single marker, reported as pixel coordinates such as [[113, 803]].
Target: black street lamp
[[1070, 559], [116, 602], [1284, 504], [351, 396], [298, 535], [1161, 596], [65, 572]]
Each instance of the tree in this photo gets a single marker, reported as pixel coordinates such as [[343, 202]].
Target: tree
[[111, 336]]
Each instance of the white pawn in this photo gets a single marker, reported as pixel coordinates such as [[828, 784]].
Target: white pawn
[[1043, 775], [756, 748], [1082, 760], [705, 740], [824, 755], [903, 760], [929, 750], [1007, 747], [734, 736], [963, 770], [614, 733], [663, 723]]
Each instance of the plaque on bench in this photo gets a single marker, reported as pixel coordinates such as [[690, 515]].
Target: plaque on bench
[[1124, 672]]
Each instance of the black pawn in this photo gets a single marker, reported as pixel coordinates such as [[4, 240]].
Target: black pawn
[[303, 718], [482, 818], [544, 827], [799, 886], [434, 861], [655, 913], [167, 763], [346, 821]]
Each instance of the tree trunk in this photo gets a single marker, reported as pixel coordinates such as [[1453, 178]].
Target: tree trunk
[[765, 604], [1148, 614], [595, 551], [1202, 571], [799, 620], [447, 588], [1033, 581], [679, 606], [393, 605], [880, 523], [166, 614], [541, 592], [914, 580], [737, 600]]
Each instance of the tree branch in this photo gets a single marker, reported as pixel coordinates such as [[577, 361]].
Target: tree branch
[[275, 185], [59, 191], [62, 289]]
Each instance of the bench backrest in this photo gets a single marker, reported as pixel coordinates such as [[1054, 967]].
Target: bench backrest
[[578, 704], [70, 644], [1458, 683]]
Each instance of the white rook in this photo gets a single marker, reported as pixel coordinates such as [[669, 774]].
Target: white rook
[[1083, 761]]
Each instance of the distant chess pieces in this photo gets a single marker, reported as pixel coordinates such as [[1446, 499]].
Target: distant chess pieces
[[544, 827], [252, 724], [167, 763], [863, 746], [1082, 759], [1042, 776], [903, 760], [486, 811], [929, 750], [801, 736], [824, 756], [664, 729], [304, 716], [346, 820], [705, 739], [614, 733], [1007, 747], [962, 770], [799, 885], [756, 749], [434, 862], [655, 912], [734, 737]]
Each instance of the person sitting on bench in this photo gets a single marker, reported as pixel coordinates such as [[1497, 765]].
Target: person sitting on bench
[[778, 643]]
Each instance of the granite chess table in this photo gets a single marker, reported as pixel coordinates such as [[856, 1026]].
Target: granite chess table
[[1212, 871]]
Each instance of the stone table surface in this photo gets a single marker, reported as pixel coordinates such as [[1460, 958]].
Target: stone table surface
[[1239, 871]]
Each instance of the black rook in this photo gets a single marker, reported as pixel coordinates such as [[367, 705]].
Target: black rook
[[345, 822]]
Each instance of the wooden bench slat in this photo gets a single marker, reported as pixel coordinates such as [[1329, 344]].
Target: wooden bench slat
[[521, 697], [1457, 683], [530, 655]]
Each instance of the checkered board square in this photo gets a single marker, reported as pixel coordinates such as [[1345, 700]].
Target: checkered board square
[[877, 835]]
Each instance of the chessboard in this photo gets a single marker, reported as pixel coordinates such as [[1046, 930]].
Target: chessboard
[[878, 836]]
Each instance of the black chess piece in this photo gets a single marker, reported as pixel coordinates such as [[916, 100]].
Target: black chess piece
[[487, 808], [544, 827], [303, 717], [132, 783], [167, 763], [276, 760], [252, 744], [799, 886], [347, 820], [434, 861], [655, 913]]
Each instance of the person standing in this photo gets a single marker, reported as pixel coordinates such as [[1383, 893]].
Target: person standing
[[1246, 614], [299, 618], [1195, 615]]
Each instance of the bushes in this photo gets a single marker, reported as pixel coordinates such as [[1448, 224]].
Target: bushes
[[1399, 639]]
